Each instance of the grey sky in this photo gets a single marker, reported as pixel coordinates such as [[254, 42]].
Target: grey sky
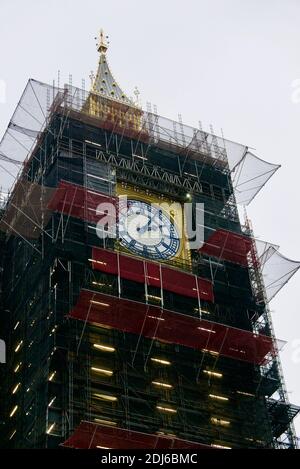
[[226, 62]]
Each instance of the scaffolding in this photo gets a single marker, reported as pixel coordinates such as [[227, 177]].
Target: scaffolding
[[189, 145], [114, 350]]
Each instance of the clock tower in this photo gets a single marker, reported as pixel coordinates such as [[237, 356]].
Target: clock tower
[[120, 332]]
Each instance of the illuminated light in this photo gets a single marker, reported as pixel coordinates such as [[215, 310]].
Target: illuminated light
[[17, 324], [13, 434], [19, 346], [105, 422], [16, 388], [166, 433], [97, 262], [243, 393], [104, 348], [213, 373], [256, 441], [50, 428], [52, 376], [236, 350], [155, 317], [99, 284], [139, 156], [212, 352], [95, 177], [28, 389], [220, 398], [17, 367], [154, 278], [206, 330], [94, 302], [105, 397], [188, 196], [51, 402], [215, 445], [102, 371], [161, 361], [102, 447], [13, 411], [203, 292], [93, 143], [201, 311], [153, 297], [166, 409], [216, 421], [162, 385]]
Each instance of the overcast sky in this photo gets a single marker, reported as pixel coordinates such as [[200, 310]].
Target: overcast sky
[[230, 63]]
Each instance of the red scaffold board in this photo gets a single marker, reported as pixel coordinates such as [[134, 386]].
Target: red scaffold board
[[171, 327], [228, 246], [153, 274], [79, 202], [90, 435]]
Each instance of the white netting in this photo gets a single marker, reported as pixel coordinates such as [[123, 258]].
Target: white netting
[[25, 125], [276, 270], [264, 250], [249, 173], [249, 176]]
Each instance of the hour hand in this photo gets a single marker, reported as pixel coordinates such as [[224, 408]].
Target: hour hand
[[148, 226]]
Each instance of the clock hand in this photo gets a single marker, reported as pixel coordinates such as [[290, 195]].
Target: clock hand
[[148, 227], [151, 224], [157, 223]]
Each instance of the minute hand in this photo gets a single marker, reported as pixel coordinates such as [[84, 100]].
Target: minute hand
[[148, 225]]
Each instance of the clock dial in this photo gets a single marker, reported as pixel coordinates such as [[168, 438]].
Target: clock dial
[[146, 230]]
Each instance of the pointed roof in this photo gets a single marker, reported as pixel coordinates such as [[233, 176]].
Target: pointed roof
[[104, 83]]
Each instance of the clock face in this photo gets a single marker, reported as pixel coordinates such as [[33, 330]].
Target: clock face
[[145, 230]]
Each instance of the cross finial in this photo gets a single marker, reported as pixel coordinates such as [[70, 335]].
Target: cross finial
[[102, 44]]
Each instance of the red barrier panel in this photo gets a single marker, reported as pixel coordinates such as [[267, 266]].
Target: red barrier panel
[[153, 273], [228, 246], [90, 435], [106, 261], [131, 269], [78, 201], [168, 326], [156, 275]]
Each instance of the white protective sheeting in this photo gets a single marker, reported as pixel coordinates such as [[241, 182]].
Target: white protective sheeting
[[249, 173]]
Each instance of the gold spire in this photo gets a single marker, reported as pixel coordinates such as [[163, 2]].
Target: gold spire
[[106, 99], [103, 82], [102, 45]]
